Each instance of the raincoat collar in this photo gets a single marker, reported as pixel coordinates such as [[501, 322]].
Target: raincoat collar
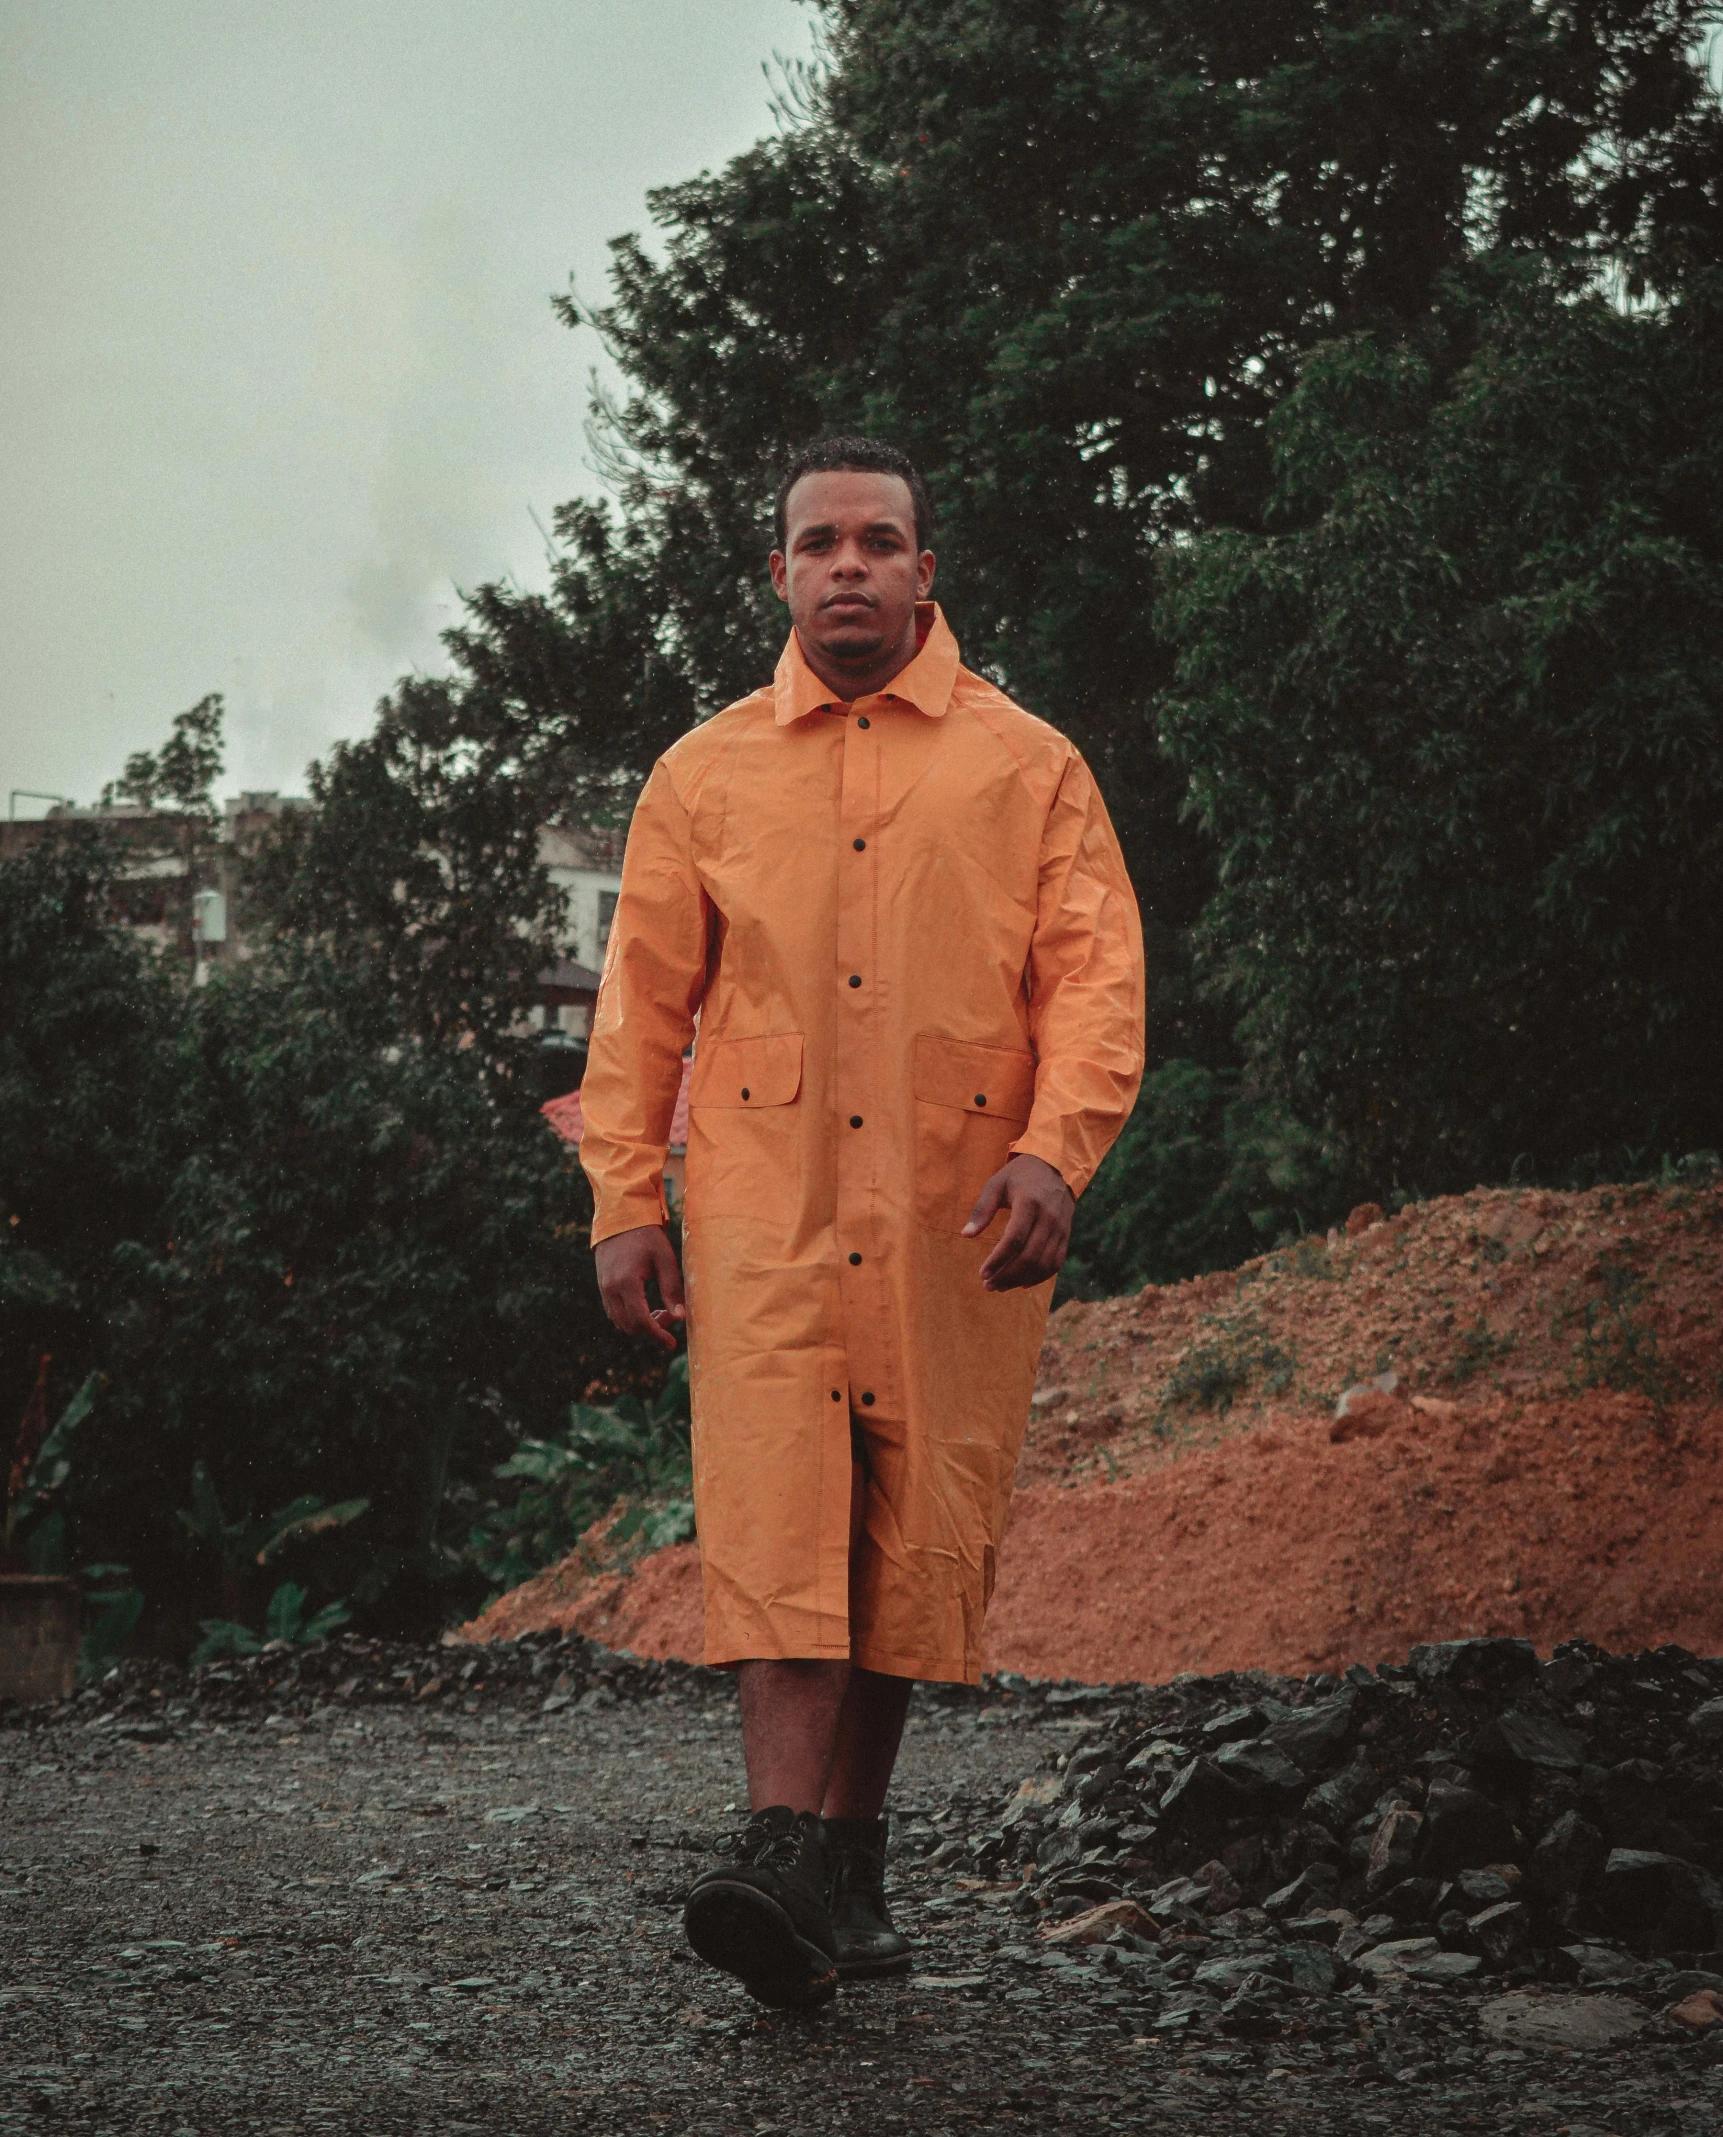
[[926, 683]]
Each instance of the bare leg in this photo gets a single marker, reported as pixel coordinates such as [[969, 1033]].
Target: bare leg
[[870, 1722], [789, 1729], [870, 1728]]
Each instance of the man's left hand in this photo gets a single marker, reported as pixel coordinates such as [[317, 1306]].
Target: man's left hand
[[1039, 1234]]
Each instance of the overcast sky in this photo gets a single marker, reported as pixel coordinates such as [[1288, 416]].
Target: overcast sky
[[278, 369]]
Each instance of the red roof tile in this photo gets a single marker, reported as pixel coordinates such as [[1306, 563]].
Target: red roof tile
[[564, 1115]]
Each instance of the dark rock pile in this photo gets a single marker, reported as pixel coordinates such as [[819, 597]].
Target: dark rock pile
[[541, 1673], [1239, 1843]]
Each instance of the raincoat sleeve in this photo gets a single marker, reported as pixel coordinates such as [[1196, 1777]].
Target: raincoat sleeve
[[1085, 986], [654, 977]]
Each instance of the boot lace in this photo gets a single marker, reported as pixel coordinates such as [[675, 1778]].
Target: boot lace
[[762, 1848]]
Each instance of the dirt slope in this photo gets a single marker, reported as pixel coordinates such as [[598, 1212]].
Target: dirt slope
[[1549, 1461], [1517, 1293]]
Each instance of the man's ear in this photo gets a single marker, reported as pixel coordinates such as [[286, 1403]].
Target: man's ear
[[925, 566], [780, 575]]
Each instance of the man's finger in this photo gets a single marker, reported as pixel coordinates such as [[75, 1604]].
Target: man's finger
[[625, 1301], [669, 1273], [1042, 1254], [987, 1205], [661, 1328], [1011, 1246], [661, 1322], [1019, 1269]]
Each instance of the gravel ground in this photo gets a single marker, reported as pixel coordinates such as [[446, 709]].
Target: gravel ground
[[464, 1921]]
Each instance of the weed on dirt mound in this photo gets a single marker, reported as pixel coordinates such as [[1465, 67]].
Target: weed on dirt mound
[[1515, 1292]]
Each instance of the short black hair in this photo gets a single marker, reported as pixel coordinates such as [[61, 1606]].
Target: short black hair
[[855, 456]]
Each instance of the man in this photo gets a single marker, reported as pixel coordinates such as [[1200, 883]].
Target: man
[[894, 905]]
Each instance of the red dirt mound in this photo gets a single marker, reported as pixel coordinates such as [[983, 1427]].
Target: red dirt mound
[[651, 1609], [1519, 1292], [1187, 1501]]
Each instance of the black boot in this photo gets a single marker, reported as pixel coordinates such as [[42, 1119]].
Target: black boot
[[867, 1943], [759, 1910]]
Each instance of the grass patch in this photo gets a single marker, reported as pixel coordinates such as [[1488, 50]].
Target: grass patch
[[1617, 1349], [1308, 1257], [1479, 1350], [1231, 1360]]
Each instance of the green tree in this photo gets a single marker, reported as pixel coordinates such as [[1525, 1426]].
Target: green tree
[[304, 1247], [368, 1274], [181, 775], [1208, 1171], [417, 868], [1070, 255], [1457, 731], [418, 865], [175, 786], [90, 1115]]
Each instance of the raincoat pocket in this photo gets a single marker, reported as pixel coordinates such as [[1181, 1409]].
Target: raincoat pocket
[[744, 1156], [971, 1104]]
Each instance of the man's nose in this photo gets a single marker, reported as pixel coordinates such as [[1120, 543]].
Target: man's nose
[[850, 562]]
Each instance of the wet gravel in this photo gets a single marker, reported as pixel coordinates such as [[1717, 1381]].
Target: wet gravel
[[459, 1914]]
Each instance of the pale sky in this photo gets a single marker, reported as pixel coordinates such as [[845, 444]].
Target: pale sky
[[278, 368]]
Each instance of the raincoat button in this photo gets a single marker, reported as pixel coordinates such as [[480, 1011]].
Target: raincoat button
[[861, 845], [837, 1394], [980, 1097], [855, 979], [855, 1120], [744, 1090], [863, 721], [867, 1398], [855, 1261]]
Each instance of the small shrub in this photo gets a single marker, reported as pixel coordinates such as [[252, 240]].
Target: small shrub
[[285, 1619], [1480, 1351], [1616, 1348], [1215, 1371], [118, 1609], [634, 1451]]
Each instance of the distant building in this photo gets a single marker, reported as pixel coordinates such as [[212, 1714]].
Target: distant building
[[183, 891], [182, 878], [586, 864]]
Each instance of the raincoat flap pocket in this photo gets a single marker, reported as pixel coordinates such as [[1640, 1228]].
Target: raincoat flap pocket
[[748, 1072], [981, 1079]]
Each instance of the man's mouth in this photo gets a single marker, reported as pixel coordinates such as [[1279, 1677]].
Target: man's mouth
[[858, 602]]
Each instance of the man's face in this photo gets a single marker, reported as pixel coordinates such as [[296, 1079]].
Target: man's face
[[849, 568]]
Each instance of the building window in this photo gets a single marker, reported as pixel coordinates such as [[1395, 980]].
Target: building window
[[606, 914]]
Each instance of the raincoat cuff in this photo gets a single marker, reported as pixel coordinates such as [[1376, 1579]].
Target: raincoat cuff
[[628, 1215]]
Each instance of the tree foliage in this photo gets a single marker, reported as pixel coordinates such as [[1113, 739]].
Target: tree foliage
[[417, 868], [1070, 257], [629, 1450], [305, 1249], [1073, 255], [181, 775], [1457, 730]]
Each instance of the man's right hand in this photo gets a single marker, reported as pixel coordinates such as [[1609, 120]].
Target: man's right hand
[[625, 1261]]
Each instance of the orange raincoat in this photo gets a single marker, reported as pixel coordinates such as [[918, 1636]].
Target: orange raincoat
[[905, 931]]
